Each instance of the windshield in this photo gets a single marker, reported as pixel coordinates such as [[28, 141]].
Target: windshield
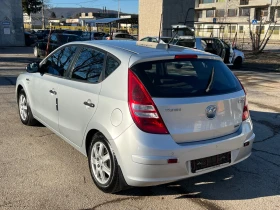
[[186, 78]]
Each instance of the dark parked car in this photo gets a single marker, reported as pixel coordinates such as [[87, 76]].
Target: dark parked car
[[46, 46], [97, 35], [118, 36], [42, 34], [29, 38]]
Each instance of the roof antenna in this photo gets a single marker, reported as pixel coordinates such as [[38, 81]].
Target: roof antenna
[[171, 40], [160, 29]]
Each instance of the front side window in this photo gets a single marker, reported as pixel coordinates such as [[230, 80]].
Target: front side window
[[89, 65], [58, 63]]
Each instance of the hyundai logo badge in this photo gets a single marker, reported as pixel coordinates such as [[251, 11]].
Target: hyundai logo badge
[[211, 111]]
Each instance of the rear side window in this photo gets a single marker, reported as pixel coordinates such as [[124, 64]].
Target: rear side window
[[111, 65], [89, 65], [186, 78]]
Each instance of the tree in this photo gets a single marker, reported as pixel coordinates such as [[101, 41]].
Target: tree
[[53, 15], [31, 6], [259, 43]]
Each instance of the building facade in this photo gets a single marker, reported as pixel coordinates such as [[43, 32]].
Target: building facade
[[233, 17], [173, 12], [11, 23]]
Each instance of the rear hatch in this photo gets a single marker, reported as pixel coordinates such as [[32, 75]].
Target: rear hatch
[[197, 99]]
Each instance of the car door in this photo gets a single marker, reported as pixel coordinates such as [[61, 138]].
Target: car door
[[45, 90], [220, 48], [78, 96]]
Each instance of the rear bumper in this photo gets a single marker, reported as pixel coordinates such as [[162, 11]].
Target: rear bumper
[[144, 157]]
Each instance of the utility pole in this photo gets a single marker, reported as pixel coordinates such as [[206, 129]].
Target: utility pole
[[118, 13], [43, 15], [118, 8]]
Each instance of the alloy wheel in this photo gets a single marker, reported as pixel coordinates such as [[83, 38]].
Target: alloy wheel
[[101, 163], [23, 107]]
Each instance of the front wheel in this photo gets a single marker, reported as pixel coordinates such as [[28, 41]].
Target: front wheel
[[25, 113], [103, 165]]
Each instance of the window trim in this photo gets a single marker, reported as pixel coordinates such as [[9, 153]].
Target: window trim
[[100, 79]]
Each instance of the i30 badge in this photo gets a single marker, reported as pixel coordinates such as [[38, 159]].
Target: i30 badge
[[211, 111]]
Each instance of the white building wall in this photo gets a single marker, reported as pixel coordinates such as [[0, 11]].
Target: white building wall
[[11, 23], [237, 21]]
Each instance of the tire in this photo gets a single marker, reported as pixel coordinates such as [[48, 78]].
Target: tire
[[104, 168], [237, 63], [36, 52], [25, 113]]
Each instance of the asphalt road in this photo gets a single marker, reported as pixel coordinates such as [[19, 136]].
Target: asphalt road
[[38, 170]]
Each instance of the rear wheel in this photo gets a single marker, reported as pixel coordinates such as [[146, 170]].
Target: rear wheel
[[25, 113], [103, 165]]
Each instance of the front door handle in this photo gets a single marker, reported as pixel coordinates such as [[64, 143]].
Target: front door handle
[[88, 103], [53, 92]]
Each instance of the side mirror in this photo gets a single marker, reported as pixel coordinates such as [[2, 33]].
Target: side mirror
[[32, 68]]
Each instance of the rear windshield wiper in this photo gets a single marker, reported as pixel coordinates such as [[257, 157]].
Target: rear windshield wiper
[[210, 81]]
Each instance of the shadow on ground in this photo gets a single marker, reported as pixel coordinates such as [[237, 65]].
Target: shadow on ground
[[10, 61], [8, 80], [16, 50]]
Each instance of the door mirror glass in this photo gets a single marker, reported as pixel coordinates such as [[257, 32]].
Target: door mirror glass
[[32, 68]]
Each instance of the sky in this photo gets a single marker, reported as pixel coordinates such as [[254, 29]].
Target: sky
[[128, 6]]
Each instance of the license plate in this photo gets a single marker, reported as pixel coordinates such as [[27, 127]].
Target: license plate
[[209, 162]]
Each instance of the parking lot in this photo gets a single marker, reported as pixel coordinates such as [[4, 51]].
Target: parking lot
[[38, 170]]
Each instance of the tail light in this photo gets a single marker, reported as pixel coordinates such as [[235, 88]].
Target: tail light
[[246, 113], [142, 108]]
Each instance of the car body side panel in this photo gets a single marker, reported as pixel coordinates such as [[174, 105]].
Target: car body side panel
[[74, 115], [112, 110]]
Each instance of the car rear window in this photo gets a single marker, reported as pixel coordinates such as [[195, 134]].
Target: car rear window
[[186, 78]]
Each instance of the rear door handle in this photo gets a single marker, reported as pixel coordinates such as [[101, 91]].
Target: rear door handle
[[53, 92], [87, 103], [27, 79]]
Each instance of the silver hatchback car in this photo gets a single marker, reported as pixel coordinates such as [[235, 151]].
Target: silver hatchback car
[[143, 113]]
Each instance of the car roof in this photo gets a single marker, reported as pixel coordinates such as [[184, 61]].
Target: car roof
[[139, 47], [138, 51]]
